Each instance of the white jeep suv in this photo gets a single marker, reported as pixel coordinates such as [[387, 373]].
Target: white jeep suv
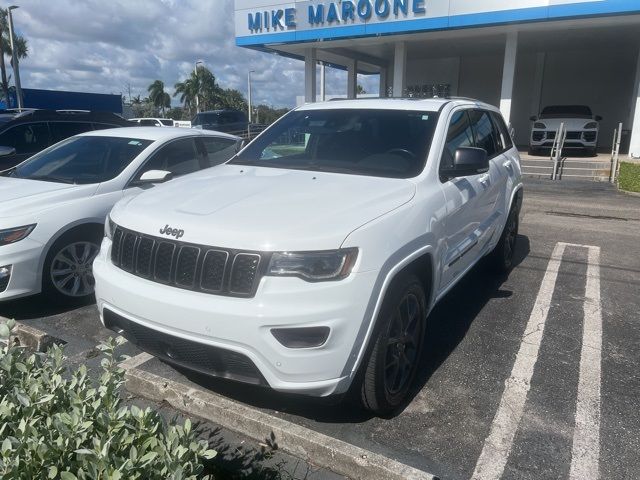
[[310, 261]]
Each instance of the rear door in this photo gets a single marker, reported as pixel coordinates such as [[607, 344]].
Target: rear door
[[27, 139], [508, 164]]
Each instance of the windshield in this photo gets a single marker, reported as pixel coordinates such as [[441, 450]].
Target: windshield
[[384, 143], [82, 160], [566, 111]]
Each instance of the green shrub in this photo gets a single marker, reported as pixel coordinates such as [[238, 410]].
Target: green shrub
[[62, 425], [629, 178]]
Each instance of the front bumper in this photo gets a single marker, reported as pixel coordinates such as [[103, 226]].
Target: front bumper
[[24, 259], [579, 139], [243, 325]]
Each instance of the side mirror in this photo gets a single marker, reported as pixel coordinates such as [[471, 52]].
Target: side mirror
[[467, 161], [598, 118], [155, 176], [533, 118], [7, 151]]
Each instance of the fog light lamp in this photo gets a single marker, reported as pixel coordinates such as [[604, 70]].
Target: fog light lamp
[[306, 337], [5, 275]]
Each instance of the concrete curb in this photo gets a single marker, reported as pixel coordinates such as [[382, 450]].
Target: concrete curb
[[32, 338], [317, 448]]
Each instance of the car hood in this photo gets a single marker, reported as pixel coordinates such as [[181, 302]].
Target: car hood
[[268, 209], [20, 196], [572, 124]]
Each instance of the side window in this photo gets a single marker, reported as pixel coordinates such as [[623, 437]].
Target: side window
[[219, 150], [484, 132], [178, 157], [27, 138], [62, 130], [502, 132], [459, 135]]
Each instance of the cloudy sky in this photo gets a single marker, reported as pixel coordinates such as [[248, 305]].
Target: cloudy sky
[[109, 46]]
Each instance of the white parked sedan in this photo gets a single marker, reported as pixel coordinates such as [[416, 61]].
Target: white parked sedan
[[53, 205]]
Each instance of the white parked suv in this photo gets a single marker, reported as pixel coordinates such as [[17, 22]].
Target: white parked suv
[[581, 125], [310, 261], [53, 205]]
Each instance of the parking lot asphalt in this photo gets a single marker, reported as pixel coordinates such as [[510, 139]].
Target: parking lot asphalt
[[534, 375]]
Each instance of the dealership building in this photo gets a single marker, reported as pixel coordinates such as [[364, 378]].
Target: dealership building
[[520, 55]]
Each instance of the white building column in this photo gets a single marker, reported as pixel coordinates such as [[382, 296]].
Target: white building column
[[508, 74], [323, 82], [382, 89], [399, 69], [634, 148], [310, 61], [538, 82], [352, 78]]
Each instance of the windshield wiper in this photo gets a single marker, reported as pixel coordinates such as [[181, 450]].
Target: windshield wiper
[[50, 178]]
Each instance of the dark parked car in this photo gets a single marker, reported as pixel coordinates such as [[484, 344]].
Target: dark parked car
[[27, 132], [221, 120]]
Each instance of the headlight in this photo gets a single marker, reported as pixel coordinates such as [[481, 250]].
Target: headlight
[[109, 227], [540, 126], [591, 125], [12, 235], [314, 266]]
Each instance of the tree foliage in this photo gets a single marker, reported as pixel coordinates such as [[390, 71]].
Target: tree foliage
[[56, 423]]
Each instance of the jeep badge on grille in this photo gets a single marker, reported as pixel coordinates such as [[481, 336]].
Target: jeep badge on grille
[[173, 232]]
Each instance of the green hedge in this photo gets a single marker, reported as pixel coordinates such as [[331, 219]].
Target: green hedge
[[629, 178], [59, 424]]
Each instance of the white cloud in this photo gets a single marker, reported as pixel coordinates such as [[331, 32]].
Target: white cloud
[[106, 46]]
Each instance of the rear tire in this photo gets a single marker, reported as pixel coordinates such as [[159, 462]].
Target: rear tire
[[501, 258], [391, 366], [67, 275]]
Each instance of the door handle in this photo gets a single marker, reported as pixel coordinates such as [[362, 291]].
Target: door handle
[[507, 164], [484, 180]]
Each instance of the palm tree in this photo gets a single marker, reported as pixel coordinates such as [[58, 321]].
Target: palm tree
[[203, 86], [158, 96], [187, 91], [22, 50]]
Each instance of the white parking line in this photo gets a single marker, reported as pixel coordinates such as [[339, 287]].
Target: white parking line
[[586, 435], [497, 445]]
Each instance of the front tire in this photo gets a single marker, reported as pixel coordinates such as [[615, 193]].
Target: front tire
[[67, 275], [397, 343]]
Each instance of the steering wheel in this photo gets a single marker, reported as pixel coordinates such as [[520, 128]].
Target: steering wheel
[[403, 152]]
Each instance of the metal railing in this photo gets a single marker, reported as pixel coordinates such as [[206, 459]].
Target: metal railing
[[556, 151], [615, 153]]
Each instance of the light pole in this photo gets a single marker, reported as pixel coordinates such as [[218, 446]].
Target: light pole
[[195, 72], [14, 57], [249, 95]]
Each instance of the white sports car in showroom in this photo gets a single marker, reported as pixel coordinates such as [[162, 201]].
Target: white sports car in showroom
[[582, 129], [53, 206]]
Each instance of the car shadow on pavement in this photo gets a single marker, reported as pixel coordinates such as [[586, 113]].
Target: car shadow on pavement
[[38, 306], [447, 326]]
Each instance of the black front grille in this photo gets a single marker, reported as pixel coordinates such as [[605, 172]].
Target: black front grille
[[590, 136], [197, 356], [537, 136], [193, 267], [574, 135]]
